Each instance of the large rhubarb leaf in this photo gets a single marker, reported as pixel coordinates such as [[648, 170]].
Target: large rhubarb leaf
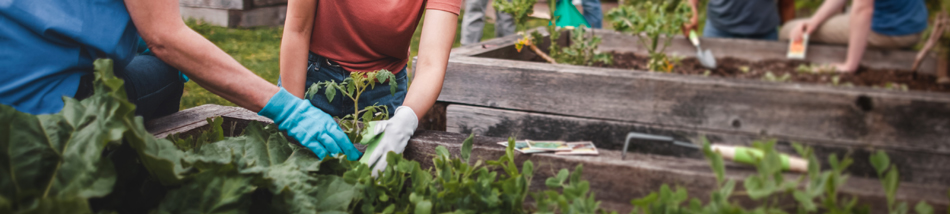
[[263, 155], [51, 162]]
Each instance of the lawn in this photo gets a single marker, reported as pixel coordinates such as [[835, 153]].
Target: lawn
[[258, 49]]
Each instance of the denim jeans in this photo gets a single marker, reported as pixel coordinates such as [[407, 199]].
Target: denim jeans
[[152, 85], [712, 32], [319, 69], [592, 13]]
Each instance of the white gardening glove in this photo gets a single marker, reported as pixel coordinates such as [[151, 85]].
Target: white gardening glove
[[396, 132]]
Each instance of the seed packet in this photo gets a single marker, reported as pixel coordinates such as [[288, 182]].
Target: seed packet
[[796, 50], [522, 146], [580, 148], [558, 146]]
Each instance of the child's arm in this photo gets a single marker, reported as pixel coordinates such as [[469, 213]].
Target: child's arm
[[438, 33], [295, 45]]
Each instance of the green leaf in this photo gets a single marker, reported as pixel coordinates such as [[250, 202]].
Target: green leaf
[[923, 208], [56, 159], [880, 161], [210, 192], [467, 147], [330, 91], [441, 151]]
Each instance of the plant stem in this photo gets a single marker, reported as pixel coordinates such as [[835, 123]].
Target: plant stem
[[542, 54]]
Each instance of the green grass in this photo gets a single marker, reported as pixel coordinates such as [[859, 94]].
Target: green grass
[[258, 49]]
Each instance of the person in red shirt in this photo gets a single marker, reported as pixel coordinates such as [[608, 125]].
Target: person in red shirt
[[326, 40]]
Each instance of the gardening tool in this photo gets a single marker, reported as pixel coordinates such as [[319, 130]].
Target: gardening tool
[[705, 57], [739, 154]]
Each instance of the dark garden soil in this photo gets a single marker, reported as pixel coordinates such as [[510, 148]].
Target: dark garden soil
[[739, 68]]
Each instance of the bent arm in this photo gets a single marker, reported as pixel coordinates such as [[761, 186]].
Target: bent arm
[[295, 45], [861, 13], [827, 9], [160, 25], [438, 33]]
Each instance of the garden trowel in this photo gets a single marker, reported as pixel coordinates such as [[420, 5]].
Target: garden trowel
[[666, 145], [705, 57]]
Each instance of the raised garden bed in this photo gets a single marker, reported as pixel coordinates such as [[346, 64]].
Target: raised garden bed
[[614, 181], [236, 13], [493, 90]]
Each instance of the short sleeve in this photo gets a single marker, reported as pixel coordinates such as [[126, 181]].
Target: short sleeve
[[451, 6]]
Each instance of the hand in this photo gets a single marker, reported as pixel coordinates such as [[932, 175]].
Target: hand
[[689, 26], [396, 133], [798, 32], [312, 127], [845, 67]]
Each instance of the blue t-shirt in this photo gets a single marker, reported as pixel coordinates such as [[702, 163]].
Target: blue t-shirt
[[744, 17], [47, 45], [899, 17]]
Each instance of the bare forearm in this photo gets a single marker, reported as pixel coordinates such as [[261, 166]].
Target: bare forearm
[[860, 27], [827, 9], [293, 63], [160, 25], [295, 45], [438, 33], [213, 69]]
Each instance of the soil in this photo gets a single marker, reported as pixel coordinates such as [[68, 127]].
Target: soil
[[739, 68]]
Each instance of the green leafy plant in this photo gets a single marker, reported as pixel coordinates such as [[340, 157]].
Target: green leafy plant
[[769, 76], [814, 192], [654, 24], [583, 49], [352, 87]]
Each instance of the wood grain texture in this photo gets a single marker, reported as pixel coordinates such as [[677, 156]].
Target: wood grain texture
[[262, 3], [859, 117], [915, 166], [616, 181], [264, 16], [216, 4]]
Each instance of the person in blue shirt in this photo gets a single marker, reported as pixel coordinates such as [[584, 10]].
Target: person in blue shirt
[[742, 19], [875, 23], [48, 49]]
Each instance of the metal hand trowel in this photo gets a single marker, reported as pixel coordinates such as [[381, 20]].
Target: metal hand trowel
[[705, 57]]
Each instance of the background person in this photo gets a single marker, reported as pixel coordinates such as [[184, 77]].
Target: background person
[[473, 22], [742, 19], [49, 45], [878, 23], [326, 40]]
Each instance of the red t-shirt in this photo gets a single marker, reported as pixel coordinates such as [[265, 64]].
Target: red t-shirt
[[369, 35]]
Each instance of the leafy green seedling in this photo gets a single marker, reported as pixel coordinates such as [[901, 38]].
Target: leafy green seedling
[[744, 69], [769, 76], [352, 87], [654, 24]]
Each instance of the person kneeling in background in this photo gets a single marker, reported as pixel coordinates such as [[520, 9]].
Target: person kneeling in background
[[879, 23]]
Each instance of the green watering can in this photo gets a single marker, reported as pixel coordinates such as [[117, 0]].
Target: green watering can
[[567, 15]]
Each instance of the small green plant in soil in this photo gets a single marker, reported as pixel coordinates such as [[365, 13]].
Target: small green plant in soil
[[814, 192], [352, 87], [583, 48], [769, 76], [654, 24]]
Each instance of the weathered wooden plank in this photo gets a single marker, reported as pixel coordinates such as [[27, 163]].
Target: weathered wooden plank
[[617, 181], [614, 181], [262, 3], [215, 4], [761, 50], [753, 50], [265, 16], [917, 167], [860, 117]]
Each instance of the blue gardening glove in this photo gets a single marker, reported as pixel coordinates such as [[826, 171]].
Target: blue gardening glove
[[396, 132], [309, 125]]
